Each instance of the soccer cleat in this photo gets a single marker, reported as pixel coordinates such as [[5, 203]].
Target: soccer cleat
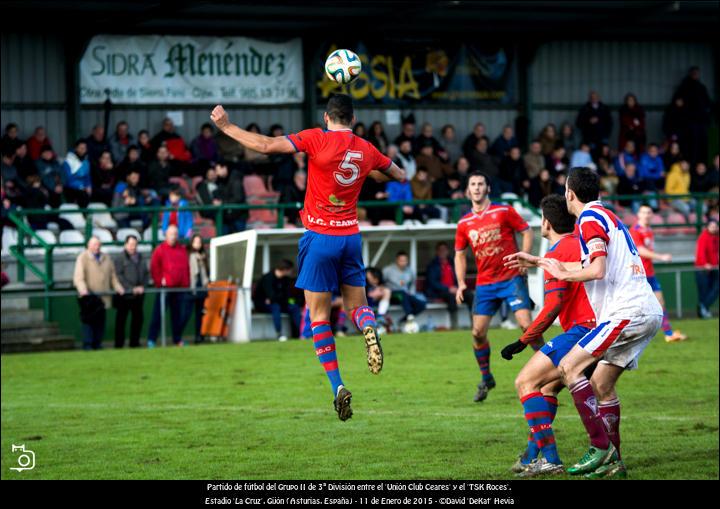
[[519, 466], [592, 460], [613, 470], [374, 350], [542, 467], [342, 403], [490, 382], [481, 393], [675, 337]]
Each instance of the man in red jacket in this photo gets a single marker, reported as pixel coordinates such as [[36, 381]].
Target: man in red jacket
[[707, 255], [170, 268]]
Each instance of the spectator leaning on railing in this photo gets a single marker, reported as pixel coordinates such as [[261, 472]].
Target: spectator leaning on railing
[[133, 274], [707, 257], [94, 273]]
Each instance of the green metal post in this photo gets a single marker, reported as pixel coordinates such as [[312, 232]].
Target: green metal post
[[219, 222], [21, 249], [398, 214], [154, 229], [280, 216], [88, 225]]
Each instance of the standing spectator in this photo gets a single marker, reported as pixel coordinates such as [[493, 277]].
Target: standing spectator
[[103, 179], [199, 269], [707, 254], [94, 273], [133, 275], [377, 137], [400, 278], [170, 268], [504, 143], [405, 159], [594, 121], [512, 172], [534, 160], [295, 193], [450, 147], [568, 138], [177, 217], [359, 130], [96, 144], [651, 168], [407, 132], [426, 138], [50, 173], [37, 142], [678, 183], [627, 156], [675, 122], [159, 172], [10, 140], [582, 158], [273, 295], [632, 123], [631, 183], [76, 175], [472, 139], [120, 141], [430, 160], [442, 282], [204, 148], [232, 191], [548, 139], [697, 106]]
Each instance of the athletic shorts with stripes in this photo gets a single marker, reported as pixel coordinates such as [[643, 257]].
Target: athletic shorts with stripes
[[620, 342]]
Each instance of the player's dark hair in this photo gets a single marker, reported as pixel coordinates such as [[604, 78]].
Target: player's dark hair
[[284, 264], [340, 109], [401, 253], [484, 175], [585, 183], [646, 205], [554, 209]]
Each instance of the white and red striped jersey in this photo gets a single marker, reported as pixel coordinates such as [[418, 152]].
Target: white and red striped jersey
[[623, 293]]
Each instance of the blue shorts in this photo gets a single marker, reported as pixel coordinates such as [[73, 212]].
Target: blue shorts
[[654, 284], [325, 262], [559, 346], [488, 298]]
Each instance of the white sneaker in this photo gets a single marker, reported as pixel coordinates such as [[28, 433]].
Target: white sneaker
[[508, 325], [282, 339]]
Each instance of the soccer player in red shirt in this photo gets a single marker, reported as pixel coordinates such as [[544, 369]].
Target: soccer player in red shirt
[[329, 257], [644, 239], [539, 381], [489, 229]]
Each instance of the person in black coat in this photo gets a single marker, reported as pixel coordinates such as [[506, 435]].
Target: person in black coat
[[132, 272], [273, 294], [232, 191], [441, 282], [594, 121], [295, 193]]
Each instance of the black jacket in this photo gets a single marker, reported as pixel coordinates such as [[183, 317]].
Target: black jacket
[[433, 287], [273, 288], [232, 191], [130, 273]]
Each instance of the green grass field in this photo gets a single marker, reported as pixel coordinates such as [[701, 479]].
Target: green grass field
[[264, 411]]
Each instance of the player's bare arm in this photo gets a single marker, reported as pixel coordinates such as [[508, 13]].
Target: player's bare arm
[[393, 173], [594, 271], [254, 141], [460, 270], [521, 260], [652, 255]]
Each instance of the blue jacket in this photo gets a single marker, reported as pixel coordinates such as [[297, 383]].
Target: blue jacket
[[622, 160], [651, 168], [76, 172], [399, 191], [185, 220], [433, 287]]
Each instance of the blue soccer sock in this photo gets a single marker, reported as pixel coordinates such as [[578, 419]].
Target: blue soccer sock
[[325, 350], [482, 356], [363, 316], [539, 417]]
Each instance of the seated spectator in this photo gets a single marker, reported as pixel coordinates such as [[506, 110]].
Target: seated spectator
[[50, 173], [608, 177], [204, 148], [37, 142], [548, 139], [405, 159], [567, 138], [147, 154], [631, 184], [400, 192], [359, 130], [35, 198], [232, 191], [229, 149], [133, 161], [672, 155], [120, 141], [130, 194], [166, 133], [96, 144], [209, 193], [534, 160], [462, 168], [504, 143], [422, 189], [426, 138], [373, 191], [378, 296], [632, 123], [472, 139], [10, 140], [451, 150], [254, 159], [295, 193], [704, 181], [540, 187], [273, 294], [512, 177], [627, 156], [678, 183], [169, 268], [581, 158], [282, 166], [133, 274], [103, 178], [407, 132], [25, 166], [13, 185], [441, 282], [377, 137], [160, 171], [436, 168], [400, 278], [76, 175], [480, 160], [557, 161], [94, 273], [651, 168], [707, 256], [177, 217], [448, 188]]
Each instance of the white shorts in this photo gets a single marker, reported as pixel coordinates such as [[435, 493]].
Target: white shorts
[[621, 342]]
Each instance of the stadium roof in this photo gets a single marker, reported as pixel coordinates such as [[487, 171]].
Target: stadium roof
[[460, 18]]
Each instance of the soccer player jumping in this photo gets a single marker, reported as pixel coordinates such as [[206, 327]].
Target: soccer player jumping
[[489, 229], [628, 314], [330, 256], [539, 381], [644, 238]]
